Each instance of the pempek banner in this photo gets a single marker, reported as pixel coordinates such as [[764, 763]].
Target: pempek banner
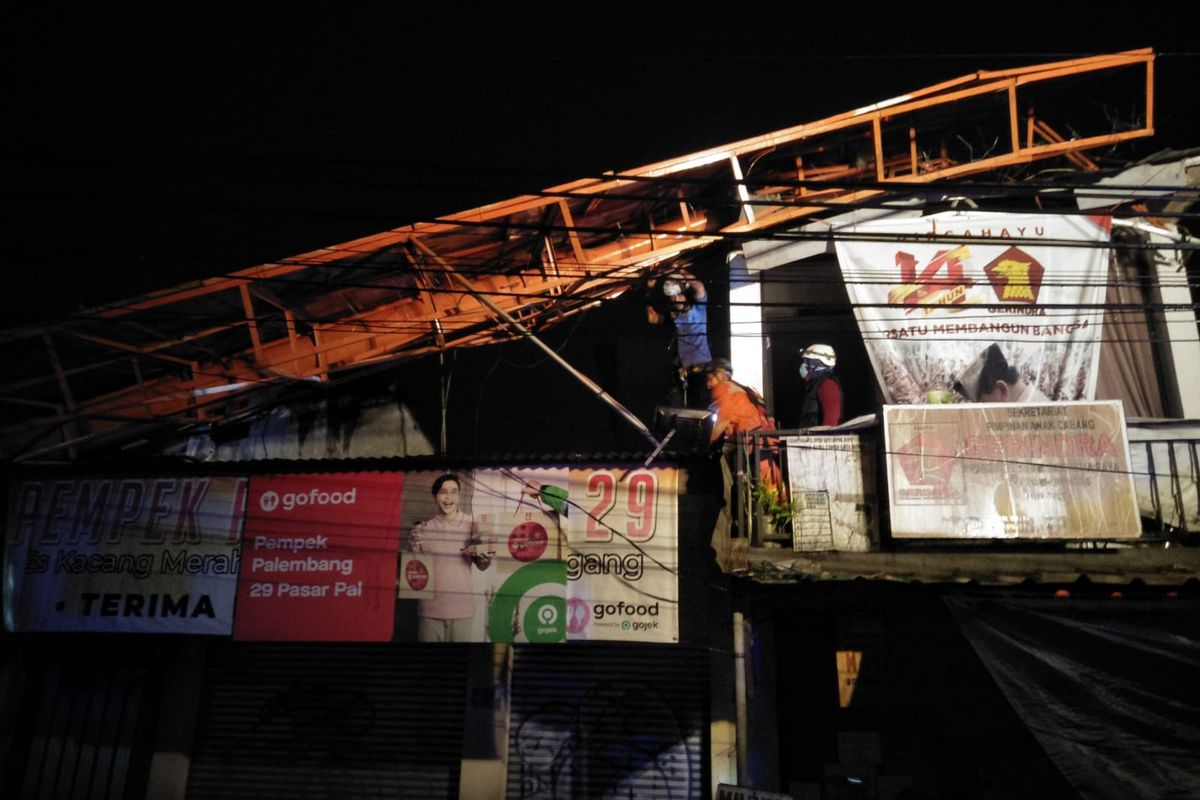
[[319, 557], [121, 555]]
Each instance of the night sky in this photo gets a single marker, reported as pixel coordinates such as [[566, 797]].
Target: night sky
[[141, 151]]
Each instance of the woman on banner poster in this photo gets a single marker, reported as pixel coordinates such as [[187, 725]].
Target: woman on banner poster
[[452, 540]]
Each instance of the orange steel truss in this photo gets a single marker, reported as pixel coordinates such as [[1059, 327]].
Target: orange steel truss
[[198, 352]]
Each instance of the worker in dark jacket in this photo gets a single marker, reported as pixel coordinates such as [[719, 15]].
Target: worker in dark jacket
[[822, 404]]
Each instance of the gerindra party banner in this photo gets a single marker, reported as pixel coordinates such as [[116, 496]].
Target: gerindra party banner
[[1019, 293], [154, 555], [319, 557]]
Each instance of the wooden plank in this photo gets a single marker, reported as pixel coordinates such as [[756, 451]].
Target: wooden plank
[[1014, 123], [877, 137], [63, 385]]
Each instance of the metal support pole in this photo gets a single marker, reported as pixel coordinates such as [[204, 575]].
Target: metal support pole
[[739, 679]]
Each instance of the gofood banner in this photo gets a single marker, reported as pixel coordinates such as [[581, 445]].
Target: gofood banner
[[1010, 471], [935, 292], [515, 555], [623, 563], [319, 557], [121, 555], [542, 555]]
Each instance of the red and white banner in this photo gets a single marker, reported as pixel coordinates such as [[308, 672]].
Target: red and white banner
[[937, 291], [319, 558], [623, 563], [1010, 471]]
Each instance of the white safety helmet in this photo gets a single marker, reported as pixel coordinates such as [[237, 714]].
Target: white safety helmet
[[822, 353]]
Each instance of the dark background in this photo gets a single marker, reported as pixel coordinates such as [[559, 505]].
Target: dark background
[[141, 150]]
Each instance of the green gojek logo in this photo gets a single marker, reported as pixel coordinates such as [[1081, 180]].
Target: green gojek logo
[[545, 617]]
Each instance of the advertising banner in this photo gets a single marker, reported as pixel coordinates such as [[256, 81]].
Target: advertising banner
[[528, 554], [441, 523], [121, 555], [1010, 470], [319, 558], [542, 555], [524, 513], [939, 291], [623, 561]]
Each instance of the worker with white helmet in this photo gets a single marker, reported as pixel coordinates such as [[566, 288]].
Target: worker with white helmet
[[822, 404], [681, 298]]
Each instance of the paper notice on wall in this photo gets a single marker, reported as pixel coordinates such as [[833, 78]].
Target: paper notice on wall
[[812, 529]]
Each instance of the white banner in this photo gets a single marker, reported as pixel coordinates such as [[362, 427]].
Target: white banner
[[146, 555], [831, 481], [1010, 471], [623, 559], [940, 291]]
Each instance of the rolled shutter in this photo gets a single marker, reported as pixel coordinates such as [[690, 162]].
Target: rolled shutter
[[600, 721], [323, 721]]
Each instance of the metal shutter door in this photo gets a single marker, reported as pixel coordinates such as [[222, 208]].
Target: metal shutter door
[[87, 739], [608, 721], [325, 721]]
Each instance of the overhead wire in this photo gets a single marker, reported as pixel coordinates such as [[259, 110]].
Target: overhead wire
[[860, 278], [939, 189]]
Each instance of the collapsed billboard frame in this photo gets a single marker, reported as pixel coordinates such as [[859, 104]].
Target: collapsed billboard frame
[[199, 352]]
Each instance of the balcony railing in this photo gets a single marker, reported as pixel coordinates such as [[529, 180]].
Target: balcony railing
[[1165, 461]]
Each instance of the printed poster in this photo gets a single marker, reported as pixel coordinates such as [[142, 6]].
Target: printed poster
[[319, 558], [831, 482], [124, 555], [1010, 471], [441, 520], [931, 304]]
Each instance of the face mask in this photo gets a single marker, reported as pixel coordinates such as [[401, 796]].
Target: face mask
[[804, 371]]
